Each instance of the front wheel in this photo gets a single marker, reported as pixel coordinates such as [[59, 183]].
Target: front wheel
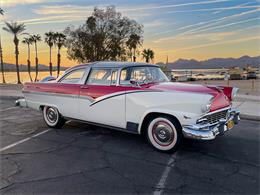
[[164, 133], [52, 117]]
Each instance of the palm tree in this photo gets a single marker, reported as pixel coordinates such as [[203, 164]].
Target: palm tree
[[15, 29], [60, 39], [2, 62], [148, 55], [133, 42], [1, 52], [35, 39], [28, 41], [50, 40]]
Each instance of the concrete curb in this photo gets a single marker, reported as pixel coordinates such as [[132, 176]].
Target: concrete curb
[[250, 117]]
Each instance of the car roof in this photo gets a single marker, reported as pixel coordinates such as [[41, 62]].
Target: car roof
[[112, 64]]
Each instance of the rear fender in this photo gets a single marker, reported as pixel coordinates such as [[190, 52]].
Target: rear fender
[[230, 92]]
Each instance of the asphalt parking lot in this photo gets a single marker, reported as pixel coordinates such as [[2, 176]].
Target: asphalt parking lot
[[80, 158]]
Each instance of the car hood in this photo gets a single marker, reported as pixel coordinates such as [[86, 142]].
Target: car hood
[[220, 100]]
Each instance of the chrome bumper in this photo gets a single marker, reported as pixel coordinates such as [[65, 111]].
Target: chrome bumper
[[21, 102], [209, 131]]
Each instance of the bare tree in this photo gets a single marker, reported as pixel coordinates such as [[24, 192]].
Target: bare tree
[[102, 37]]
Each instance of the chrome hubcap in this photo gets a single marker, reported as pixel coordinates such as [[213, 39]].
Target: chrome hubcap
[[51, 115], [163, 133]]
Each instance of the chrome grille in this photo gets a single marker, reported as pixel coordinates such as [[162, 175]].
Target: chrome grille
[[214, 117]]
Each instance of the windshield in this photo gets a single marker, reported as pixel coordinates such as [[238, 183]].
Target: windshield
[[142, 75]]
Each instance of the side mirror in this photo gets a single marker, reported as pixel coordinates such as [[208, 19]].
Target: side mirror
[[134, 82]]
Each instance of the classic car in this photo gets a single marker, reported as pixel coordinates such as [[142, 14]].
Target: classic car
[[136, 98]]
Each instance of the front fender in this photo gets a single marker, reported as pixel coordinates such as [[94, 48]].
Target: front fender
[[186, 107]]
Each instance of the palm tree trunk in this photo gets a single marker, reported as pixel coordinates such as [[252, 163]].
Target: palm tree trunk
[[2, 62], [2, 68], [131, 53], [16, 42], [50, 63], [36, 62], [134, 58], [29, 63], [58, 63]]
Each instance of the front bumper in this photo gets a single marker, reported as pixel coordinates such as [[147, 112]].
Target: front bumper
[[209, 131]]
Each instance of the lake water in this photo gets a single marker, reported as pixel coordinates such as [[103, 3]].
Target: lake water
[[11, 77]]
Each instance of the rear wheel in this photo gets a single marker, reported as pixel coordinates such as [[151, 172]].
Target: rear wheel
[[164, 133], [52, 117]]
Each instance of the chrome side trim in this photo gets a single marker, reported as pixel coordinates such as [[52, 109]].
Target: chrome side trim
[[60, 95], [103, 125], [105, 97]]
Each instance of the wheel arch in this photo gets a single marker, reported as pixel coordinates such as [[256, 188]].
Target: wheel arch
[[41, 106], [152, 115]]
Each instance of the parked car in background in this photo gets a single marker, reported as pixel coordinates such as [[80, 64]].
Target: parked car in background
[[251, 75], [235, 76], [136, 98]]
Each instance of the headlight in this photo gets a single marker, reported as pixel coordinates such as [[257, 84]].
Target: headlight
[[234, 93], [206, 108]]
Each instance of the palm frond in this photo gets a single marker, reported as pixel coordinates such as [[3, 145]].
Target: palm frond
[[27, 40], [35, 38], [14, 27], [50, 38]]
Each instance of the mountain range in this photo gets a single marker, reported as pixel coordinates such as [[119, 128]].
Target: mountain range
[[11, 67], [215, 63]]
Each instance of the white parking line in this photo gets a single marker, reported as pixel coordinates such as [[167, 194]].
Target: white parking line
[[23, 140], [7, 109], [161, 184]]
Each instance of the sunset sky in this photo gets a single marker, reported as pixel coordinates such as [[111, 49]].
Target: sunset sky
[[198, 29]]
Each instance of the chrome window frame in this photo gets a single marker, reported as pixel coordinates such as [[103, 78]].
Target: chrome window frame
[[132, 67], [112, 69], [83, 78]]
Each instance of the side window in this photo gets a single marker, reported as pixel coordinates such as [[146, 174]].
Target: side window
[[114, 77], [102, 77], [73, 77], [136, 73]]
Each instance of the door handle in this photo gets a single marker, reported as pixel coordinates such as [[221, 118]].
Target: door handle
[[83, 87]]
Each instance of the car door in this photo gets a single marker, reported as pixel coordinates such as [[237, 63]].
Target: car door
[[101, 99], [67, 90]]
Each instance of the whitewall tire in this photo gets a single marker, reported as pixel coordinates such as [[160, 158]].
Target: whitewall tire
[[164, 133], [52, 117]]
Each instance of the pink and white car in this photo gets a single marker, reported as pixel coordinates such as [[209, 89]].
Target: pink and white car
[[136, 98]]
